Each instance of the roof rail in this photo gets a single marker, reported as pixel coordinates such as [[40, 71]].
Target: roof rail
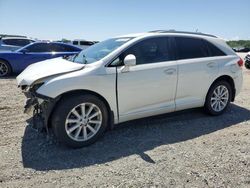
[[182, 32]]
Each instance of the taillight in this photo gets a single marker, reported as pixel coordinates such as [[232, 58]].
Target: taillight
[[240, 62]]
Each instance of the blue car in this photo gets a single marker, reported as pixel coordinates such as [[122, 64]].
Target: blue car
[[17, 61]]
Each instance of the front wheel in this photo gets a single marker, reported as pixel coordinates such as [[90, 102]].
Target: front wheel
[[80, 120], [218, 98], [5, 69]]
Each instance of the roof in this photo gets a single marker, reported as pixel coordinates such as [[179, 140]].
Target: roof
[[16, 38], [182, 32], [168, 32]]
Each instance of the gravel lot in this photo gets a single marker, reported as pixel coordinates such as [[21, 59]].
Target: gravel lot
[[184, 149]]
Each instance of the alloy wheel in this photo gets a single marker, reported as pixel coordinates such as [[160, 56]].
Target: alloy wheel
[[219, 98], [83, 122], [3, 69]]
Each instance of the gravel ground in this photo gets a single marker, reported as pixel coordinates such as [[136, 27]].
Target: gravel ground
[[184, 149]]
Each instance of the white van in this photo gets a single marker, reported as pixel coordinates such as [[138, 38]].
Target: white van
[[82, 43]]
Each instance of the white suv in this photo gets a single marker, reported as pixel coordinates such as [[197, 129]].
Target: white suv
[[131, 77]]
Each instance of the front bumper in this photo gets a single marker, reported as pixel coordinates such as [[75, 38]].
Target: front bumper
[[40, 107]]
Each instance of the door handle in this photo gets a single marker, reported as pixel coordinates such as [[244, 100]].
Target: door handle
[[211, 64], [170, 71]]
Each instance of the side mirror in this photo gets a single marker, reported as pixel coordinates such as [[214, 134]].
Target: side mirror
[[130, 60]]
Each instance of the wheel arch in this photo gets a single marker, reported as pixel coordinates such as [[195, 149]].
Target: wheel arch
[[83, 92], [228, 79]]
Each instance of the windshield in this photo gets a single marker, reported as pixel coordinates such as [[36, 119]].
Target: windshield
[[98, 51]]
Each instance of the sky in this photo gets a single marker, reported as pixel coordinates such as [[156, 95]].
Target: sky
[[101, 19]]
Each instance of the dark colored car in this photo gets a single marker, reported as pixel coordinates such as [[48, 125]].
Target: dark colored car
[[13, 43], [17, 61], [241, 49], [247, 61]]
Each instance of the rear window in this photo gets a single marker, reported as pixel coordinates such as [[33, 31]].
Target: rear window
[[214, 51], [189, 48]]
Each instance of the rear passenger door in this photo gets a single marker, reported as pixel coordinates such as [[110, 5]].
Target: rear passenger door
[[149, 87], [196, 71]]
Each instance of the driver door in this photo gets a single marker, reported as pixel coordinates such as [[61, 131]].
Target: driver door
[[149, 87], [36, 52]]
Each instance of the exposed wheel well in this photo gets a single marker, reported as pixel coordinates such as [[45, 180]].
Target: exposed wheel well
[[230, 81], [79, 92]]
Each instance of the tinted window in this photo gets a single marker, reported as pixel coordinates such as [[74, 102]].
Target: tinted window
[[75, 42], [16, 42], [62, 48], [86, 43], [9, 42], [189, 48], [22, 42], [56, 48], [69, 48], [150, 51], [213, 50], [39, 47]]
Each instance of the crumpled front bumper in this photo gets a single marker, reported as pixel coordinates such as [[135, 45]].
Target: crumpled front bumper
[[30, 105], [40, 107]]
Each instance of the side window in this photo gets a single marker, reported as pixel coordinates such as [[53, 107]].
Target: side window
[[57, 48], [16, 42], [149, 51], [22, 42], [39, 47], [75, 43], [10, 42], [213, 50], [189, 48]]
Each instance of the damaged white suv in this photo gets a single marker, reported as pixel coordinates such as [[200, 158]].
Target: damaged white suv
[[130, 77]]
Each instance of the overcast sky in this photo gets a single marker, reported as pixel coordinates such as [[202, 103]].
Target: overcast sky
[[100, 19]]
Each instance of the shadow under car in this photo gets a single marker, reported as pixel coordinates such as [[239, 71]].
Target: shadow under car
[[134, 137]]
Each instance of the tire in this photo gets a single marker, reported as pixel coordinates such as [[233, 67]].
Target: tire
[[69, 114], [5, 68], [213, 102], [247, 64]]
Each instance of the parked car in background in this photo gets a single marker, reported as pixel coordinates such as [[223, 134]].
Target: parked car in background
[[131, 77], [241, 49], [82, 43], [17, 61], [13, 43], [247, 61]]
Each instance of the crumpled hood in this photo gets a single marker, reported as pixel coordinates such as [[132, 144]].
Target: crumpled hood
[[46, 68]]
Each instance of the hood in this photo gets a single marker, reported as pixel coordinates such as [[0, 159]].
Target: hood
[[45, 69]]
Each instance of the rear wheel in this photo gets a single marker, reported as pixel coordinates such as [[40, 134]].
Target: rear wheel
[[5, 69], [80, 120], [218, 98]]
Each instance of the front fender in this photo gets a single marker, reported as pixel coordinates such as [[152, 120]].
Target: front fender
[[103, 84]]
